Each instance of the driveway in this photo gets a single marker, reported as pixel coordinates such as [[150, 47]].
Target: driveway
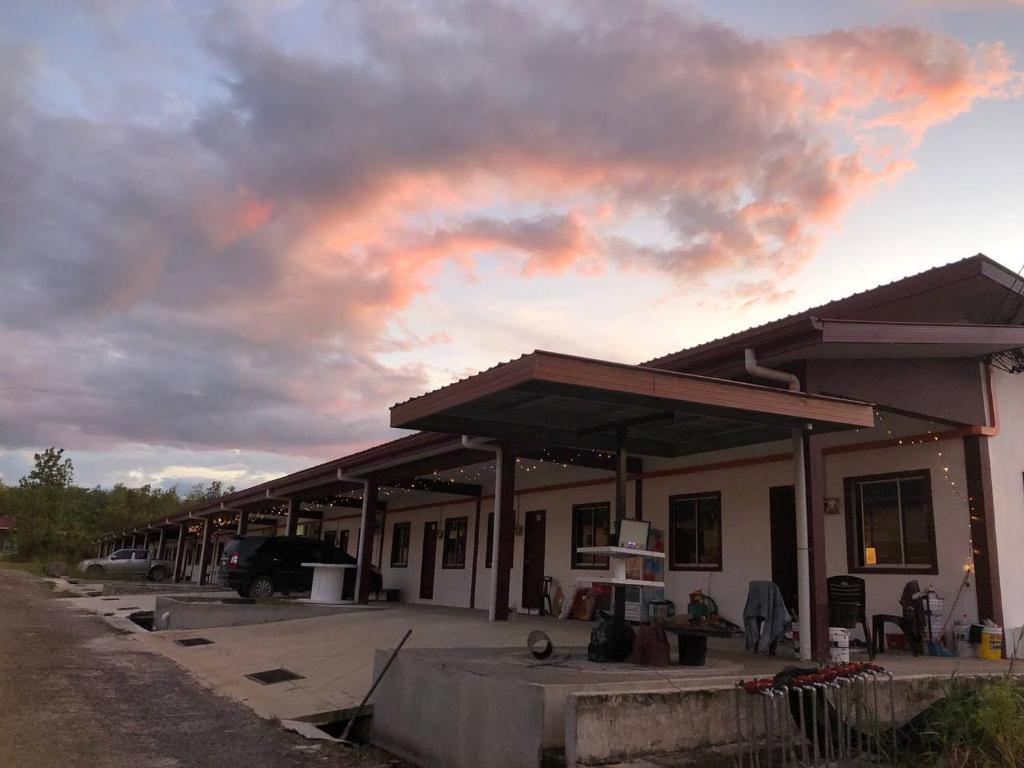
[[74, 691]]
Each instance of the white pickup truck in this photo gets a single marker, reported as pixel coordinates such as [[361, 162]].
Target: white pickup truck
[[127, 563]]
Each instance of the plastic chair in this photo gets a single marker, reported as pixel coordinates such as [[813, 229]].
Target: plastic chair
[[545, 597], [847, 606], [911, 622]]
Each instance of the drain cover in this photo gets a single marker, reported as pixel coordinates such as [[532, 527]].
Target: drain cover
[[188, 642], [129, 608], [110, 598], [272, 676]]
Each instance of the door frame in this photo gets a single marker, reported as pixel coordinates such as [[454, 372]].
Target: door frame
[[430, 529], [543, 547]]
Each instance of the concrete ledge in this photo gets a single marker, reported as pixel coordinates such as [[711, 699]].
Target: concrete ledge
[[143, 587], [612, 727], [202, 612]]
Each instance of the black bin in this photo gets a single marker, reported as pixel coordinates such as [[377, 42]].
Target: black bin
[[693, 650]]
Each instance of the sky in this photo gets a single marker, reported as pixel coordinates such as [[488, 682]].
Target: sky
[[232, 234]]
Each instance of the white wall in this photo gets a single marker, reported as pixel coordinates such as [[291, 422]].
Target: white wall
[[1006, 452]]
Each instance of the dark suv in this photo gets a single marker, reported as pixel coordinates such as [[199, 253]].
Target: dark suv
[[258, 566]]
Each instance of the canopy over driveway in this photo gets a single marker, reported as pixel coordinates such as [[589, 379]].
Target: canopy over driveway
[[576, 402], [557, 400]]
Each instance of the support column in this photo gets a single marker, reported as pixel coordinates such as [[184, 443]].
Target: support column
[[476, 555], [814, 464], [179, 552], [620, 511], [204, 552], [380, 545], [504, 542], [243, 522], [292, 524], [99, 551], [983, 531], [365, 552], [135, 537], [160, 544]]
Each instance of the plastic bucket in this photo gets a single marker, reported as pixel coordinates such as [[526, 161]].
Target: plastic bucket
[[991, 645], [839, 645]]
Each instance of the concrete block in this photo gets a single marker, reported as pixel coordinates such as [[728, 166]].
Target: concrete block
[[200, 612]]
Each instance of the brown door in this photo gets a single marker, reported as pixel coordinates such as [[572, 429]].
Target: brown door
[[782, 504], [533, 559], [429, 560]]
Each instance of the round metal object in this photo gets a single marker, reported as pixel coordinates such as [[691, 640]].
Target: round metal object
[[540, 645]]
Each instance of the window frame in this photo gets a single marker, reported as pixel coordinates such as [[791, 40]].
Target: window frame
[[670, 549], [854, 544], [403, 526], [449, 523], [574, 564]]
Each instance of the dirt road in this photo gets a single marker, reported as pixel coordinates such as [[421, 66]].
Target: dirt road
[[74, 692]]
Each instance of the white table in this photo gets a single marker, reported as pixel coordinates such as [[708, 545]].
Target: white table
[[328, 581]]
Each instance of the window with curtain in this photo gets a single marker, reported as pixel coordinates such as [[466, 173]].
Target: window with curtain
[[400, 535], [890, 522], [454, 554], [695, 532], [590, 529]]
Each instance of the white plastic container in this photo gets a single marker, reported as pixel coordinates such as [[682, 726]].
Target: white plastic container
[[839, 645]]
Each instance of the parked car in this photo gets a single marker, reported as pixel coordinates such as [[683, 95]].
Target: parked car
[[259, 566], [127, 562]]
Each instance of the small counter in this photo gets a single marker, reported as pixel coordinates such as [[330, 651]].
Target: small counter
[[328, 581]]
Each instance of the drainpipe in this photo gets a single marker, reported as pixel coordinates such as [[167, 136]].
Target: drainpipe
[[803, 564], [475, 444]]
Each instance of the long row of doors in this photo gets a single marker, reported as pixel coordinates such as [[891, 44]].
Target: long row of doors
[[534, 537]]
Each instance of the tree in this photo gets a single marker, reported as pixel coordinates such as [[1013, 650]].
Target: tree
[[51, 470]]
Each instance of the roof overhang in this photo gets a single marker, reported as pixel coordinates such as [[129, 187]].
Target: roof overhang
[[814, 338], [546, 398]]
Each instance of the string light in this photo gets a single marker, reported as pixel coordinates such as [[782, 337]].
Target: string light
[[968, 501]]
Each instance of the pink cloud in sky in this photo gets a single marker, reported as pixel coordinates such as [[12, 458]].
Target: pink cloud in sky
[[226, 274]]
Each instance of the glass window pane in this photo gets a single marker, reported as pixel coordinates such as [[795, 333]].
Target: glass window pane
[[709, 521], [916, 521], [684, 532], [881, 522], [590, 529]]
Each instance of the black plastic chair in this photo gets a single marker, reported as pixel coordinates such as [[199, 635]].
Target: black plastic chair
[[847, 606], [545, 596], [911, 623]]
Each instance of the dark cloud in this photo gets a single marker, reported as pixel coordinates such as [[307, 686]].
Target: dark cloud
[[235, 279]]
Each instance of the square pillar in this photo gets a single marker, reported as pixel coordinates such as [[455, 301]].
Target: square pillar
[[814, 463], [243, 522], [292, 524], [504, 542], [364, 555], [160, 544], [204, 552], [984, 553], [179, 552]]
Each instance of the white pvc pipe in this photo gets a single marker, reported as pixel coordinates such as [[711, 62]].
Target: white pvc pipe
[[803, 561]]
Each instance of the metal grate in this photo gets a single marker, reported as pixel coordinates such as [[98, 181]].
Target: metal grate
[[272, 676], [188, 642]]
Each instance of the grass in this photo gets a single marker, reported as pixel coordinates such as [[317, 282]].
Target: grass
[[31, 566], [977, 725]]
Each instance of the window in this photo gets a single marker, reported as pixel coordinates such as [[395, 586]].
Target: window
[[343, 540], [695, 532], [455, 542], [589, 529], [890, 525], [141, 554], [330, 537], [490, 540], [400, 534], [122, 554]]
